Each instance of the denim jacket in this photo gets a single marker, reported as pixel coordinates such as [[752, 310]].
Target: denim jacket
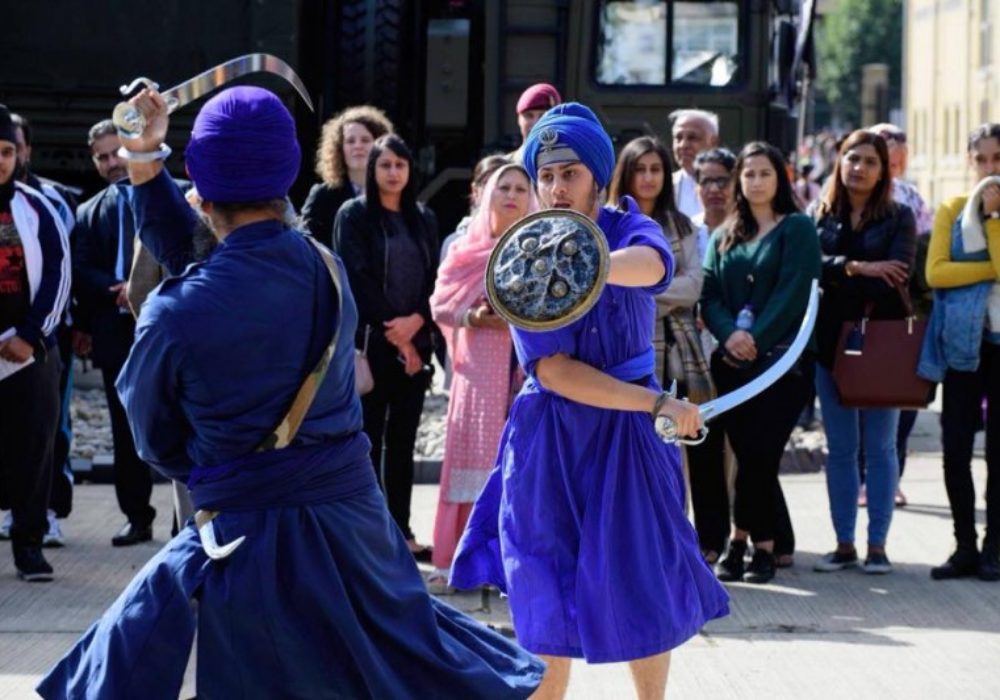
[[956, 327]]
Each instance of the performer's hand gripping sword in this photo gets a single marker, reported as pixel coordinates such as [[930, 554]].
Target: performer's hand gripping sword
[[716, 407], [130, 121]]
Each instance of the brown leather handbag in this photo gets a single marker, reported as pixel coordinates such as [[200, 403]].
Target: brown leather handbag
[[876, 361]]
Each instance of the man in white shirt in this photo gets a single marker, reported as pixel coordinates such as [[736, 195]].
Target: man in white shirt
[[692, 131]]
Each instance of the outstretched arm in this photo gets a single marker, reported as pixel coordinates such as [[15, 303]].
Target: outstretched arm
[[578, 381]]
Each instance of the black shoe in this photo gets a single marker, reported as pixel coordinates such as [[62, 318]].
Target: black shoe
[[31, 564], [964, 562], [762, 567], [989, 562], [730, 567], [132, 534]]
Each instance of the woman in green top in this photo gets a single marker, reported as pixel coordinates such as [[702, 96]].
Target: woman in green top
[[758, 270]]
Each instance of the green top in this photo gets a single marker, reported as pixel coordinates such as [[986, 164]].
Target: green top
[[773, 274]]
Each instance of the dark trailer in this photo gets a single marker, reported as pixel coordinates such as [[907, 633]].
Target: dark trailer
[[448, 72]]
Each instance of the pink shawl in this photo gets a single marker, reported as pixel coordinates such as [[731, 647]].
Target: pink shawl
[[462, 274]]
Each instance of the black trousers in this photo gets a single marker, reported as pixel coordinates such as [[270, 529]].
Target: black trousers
[[758, 431], [391, 416], [960, 416], [61, 496], [29, 414], [709, 492], [133, 479]]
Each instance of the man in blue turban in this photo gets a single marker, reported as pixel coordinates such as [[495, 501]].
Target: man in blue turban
[[610, 568], [241, 383]]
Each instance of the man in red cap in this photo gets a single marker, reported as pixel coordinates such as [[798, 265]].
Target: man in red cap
[[533, 103]]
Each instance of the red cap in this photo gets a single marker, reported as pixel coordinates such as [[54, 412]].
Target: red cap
[[538, 96]]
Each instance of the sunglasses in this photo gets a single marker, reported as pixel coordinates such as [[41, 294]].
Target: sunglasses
[[719, 183]]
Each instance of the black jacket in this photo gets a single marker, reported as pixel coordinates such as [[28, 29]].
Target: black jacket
[[321, 207], [845, 298], [361, 244], [95, 254]]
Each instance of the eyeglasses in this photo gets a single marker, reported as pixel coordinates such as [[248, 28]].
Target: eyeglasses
[[719, 183]]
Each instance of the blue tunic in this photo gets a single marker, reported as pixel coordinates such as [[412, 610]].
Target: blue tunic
[[323, 600], [582, 521]]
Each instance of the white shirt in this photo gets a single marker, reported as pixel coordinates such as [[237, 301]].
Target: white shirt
[[686, 195]]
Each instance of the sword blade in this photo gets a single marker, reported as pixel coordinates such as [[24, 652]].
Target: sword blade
[[716, 407], [131, 122], [665, 427], [204, 83]]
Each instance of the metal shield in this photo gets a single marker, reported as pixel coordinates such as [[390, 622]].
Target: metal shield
[[547, 270]]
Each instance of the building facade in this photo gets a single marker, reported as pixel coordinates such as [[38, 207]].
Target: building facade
[[951, 68]]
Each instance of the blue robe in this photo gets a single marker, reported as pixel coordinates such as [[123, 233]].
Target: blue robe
[[582, 521], [323, 599]]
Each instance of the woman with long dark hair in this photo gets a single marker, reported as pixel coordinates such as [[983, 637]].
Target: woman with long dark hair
[[389, 246], [342, 164], [643, 173], [758, 271], [868, 243]]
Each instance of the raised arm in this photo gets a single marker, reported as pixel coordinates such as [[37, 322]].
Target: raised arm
[[164, 220], [942, 271], [154, 369]]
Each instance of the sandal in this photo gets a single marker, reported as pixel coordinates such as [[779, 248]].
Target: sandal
[[437, 583]]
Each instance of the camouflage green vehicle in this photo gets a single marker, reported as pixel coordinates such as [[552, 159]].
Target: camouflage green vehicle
[[448, 72]]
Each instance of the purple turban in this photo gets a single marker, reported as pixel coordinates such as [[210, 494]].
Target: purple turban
[[570, 132], [243, 147]]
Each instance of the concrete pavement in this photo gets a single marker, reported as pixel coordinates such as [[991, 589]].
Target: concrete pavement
[[807, 635]]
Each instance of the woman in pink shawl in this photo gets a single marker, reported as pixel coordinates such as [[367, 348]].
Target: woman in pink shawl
[[481, 356]]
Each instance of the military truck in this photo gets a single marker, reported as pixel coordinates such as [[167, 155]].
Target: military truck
[[448, 72]]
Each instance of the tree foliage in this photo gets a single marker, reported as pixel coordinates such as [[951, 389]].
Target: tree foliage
[[853, 33]]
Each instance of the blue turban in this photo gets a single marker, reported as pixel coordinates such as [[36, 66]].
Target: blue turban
[[570, 132], [243, 147]]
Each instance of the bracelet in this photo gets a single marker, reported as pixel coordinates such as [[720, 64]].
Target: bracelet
[[660, 400], [145, 156], [467, 318], [848, 270]]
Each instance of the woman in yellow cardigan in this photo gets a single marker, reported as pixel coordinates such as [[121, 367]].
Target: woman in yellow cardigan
[[963, 266]]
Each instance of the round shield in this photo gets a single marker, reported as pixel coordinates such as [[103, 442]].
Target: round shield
[[547, 270]]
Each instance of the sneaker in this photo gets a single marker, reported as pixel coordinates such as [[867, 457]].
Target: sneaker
[[54, 536], [962, 563], [762, 567], [836, 561], [31, 564], [877, 563], [8, 520], [730, 567]]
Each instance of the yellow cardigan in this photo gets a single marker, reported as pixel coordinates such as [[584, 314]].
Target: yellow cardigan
[[942, 272]]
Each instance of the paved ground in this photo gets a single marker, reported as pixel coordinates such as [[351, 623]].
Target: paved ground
[[807, 635]]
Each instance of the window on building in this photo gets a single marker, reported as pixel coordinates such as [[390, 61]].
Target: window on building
[[653, 42]]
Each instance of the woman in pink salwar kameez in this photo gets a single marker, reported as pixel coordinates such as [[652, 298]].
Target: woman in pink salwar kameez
[[480, 348]]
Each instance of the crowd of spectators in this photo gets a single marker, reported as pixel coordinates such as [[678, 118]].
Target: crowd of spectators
[[749, 228]]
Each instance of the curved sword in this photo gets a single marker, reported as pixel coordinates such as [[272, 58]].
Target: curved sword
[[716, 407], [216, 552], [131, 123]]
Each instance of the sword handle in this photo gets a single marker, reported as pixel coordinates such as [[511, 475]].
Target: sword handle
[[128, 120], [667, 431]]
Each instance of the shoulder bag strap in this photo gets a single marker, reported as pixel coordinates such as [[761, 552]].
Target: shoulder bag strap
[[286, 430]]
